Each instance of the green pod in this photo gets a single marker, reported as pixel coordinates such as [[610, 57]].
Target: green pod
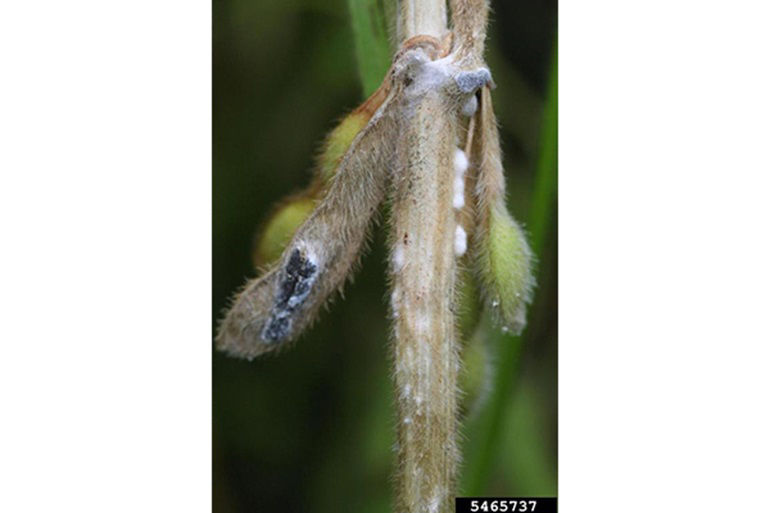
[[504, 260], [505, 266], [341, 137], [288, 217], [338, 141]]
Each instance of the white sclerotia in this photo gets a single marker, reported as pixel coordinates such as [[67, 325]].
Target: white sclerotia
[[461, 161], [458, 200], [461, 241], [460, 165]]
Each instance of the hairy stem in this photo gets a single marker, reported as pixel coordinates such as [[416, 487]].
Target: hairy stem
[[423, 270], [426, 360], [469, 20], [422, 18]]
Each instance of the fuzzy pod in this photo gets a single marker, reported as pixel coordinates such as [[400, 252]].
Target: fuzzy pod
[[275, 308], [283, 223], [338, 141], [505, 265], [342, 136], [504, 260]]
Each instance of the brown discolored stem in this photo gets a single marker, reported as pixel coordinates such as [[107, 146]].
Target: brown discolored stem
[[423, 274], [469, 24], [422, 17]]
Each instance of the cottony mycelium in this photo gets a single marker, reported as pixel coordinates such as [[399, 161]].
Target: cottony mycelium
[[427, 142]]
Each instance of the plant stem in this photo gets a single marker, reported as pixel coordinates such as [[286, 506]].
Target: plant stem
[[423, 273], [422, 18], [426, 359]]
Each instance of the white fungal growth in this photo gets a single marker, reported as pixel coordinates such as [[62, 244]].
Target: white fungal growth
[[461, 166], [458, 200], [435, 500], [470, 106], [395, 304], [398, 258], [429, 75], [470, 81], [461, 241], [422, 322], [460, 161]]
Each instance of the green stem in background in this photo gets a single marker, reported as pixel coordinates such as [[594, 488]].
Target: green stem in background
[[371, 41], [485, 432]]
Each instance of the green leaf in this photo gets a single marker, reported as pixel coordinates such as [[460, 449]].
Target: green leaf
[[541, 214], [371, 41]]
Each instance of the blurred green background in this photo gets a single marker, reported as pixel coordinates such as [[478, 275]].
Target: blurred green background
[[311, 429]]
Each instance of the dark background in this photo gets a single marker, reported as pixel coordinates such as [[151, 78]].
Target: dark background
[[312, 428]]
